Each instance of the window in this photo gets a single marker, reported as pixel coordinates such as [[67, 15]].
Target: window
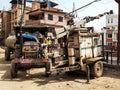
[[60, 19], [42, 16], [50, 17], [113, 28], [95, 41], [111, 20], [33, 17], [109, 44], [115, 36], [12, 15], [109, 35], [108, 21]]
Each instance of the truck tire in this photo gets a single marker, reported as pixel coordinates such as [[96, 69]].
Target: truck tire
[[13, 70], [97, 69], [7, 54], [47, 69]]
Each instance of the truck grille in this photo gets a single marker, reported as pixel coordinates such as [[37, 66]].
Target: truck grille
[[31, 55]]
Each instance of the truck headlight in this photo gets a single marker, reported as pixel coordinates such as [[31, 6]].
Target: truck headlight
[[34, 48], [26, 49]]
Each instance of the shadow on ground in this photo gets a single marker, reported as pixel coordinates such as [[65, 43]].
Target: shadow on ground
[[40, 79]]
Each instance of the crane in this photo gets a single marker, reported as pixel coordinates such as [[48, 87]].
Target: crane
[[87, 19], [70, 14]]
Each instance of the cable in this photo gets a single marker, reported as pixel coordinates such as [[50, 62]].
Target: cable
[[84, 6], [106, 2]]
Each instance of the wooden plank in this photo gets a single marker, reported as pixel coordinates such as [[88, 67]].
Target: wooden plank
[[61, 62], [94, 59]]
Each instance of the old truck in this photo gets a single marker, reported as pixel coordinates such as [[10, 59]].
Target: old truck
[[81, 49], [30, 53]]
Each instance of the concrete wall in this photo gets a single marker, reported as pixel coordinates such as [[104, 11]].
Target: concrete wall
[[55, 19]]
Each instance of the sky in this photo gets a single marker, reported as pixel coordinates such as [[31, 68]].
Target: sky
[[67, 6]]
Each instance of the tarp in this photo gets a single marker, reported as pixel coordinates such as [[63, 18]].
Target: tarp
[[29, 36]]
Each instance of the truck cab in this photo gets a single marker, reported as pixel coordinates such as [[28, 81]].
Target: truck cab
[[28, 50]]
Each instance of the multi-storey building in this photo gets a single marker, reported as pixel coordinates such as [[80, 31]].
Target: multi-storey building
[[44, 13], [111, 30], [38, 13], [6, 23], [16, 12]]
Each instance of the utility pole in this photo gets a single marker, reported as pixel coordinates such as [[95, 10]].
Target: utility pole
[[22, 21], [118, 43]]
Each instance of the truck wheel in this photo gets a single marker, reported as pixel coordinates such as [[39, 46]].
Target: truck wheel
[[13, 70], [7, 53], [97, 69], [47, 69]]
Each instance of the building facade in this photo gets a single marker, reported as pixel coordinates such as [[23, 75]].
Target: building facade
[[16, 13], [111, 30], [42, 15], [38, 13], [6, 23]]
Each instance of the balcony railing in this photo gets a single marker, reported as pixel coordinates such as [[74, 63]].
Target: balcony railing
[[33, 22]]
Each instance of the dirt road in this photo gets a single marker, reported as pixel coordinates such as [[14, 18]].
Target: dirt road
[[34, 79]]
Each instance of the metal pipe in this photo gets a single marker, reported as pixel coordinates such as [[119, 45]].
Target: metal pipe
[[88, 74], [103, 52]]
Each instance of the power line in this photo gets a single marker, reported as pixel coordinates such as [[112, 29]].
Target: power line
[[84, 6], [81, 8]]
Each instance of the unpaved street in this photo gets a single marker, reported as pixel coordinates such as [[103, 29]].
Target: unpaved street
[[34, 79]]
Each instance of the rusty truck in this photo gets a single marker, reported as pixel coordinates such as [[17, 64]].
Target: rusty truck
[[32, 54], [81, 49]]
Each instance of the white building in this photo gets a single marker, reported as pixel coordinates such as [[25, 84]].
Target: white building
[[112, 21], [111, 30]]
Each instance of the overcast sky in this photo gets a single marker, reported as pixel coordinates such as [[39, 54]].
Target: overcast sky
[[67, 6]]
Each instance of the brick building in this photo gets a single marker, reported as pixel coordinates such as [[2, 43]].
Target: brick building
[[16, 13], [6, 23], [38, 13]]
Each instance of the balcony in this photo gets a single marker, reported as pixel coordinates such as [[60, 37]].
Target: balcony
[[33, 22], [43, 22]]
